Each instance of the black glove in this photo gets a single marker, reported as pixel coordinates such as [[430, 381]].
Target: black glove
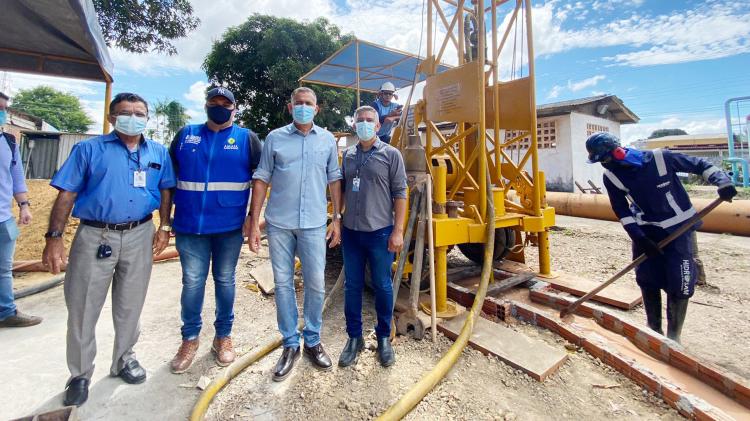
[[647, 247], [727, 192]]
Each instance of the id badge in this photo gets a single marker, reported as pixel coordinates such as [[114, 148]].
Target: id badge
[[355, 184], [139, 178]]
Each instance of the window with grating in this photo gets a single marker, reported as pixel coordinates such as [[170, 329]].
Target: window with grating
[[546, 135], [595, 128]]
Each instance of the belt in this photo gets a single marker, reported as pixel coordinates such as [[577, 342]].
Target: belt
[[116, 227]]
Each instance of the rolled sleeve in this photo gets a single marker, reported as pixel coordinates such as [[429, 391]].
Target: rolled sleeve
[[72, 175], [334, 171], [19, 181], [398, 176], [265, 165], [168, 179]]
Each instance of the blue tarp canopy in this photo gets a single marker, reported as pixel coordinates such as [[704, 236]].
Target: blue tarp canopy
[[375, 64]]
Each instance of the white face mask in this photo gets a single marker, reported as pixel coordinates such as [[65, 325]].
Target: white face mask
[[130, 125], [365, 130]]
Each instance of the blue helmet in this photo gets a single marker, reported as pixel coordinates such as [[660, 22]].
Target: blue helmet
[[600, 146]]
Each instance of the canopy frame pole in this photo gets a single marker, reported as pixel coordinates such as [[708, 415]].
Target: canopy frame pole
[[107, 100], [356, 48]]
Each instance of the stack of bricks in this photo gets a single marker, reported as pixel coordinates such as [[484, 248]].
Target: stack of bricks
[[655, 345]]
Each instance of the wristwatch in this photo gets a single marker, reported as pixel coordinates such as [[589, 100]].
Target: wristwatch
[[337, 217], [165, 228], [25, 202], [53, 234]]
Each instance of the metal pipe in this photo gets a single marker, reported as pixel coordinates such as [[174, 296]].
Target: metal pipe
[[107, 100], [732, 218], [730, 141], [356, 49], [482, 132], [431, 247]]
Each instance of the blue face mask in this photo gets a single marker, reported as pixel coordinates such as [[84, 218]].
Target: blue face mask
[[303, 114], [218, 114], [130, 125], [3, 117], [365, 130]]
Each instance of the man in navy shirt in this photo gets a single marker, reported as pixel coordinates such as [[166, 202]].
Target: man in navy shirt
[[12, 185], [651, 202], [214, 162], [113, 183]]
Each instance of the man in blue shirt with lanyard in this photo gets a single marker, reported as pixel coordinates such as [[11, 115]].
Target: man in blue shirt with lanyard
[[648, 197], [214, 163], [298, 160], [12, 185], [116, 181], [388, 111]]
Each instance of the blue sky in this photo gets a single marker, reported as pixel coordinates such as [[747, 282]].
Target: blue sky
[[674, 63]]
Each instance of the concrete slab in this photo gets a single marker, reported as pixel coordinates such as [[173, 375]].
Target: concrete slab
[[622, 296], [263, 275], [534, 357]]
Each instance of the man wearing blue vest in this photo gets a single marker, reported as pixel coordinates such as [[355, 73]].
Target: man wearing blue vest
[[115, 181], [214, 163], [12, 185], [651, 202], [388, 111], [299, 160]]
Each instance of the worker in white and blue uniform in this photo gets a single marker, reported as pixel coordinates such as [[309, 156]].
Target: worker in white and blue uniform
[[648, 197], [214, 163], [388, 111]]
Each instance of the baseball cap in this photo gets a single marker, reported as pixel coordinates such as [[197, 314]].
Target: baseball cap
[[220, 91]]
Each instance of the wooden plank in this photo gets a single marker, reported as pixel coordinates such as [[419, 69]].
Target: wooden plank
[[506, 284], [263, 275], [534, 357], [624, 296]]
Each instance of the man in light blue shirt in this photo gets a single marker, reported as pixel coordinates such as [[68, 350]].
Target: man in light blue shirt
[[12, 185], [116, 181], [298, 160]]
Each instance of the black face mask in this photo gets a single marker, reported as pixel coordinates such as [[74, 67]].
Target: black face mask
[[218, 114]]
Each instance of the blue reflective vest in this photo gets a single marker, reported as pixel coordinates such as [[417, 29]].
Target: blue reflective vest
[[214, 171], [653, 195]]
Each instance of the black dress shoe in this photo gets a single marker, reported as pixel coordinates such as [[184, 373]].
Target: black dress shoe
[[319, 358], [77, 392], [385, 352], [286, 363], [351, 351], [132, 373]]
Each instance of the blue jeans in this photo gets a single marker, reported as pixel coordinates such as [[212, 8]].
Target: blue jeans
[[196, 252], [310, 246], [361, 247], [8, 235]]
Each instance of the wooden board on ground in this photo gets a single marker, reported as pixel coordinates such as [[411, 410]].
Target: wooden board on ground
[[619, 295], [497, 287], [534, 357], [263, 275]]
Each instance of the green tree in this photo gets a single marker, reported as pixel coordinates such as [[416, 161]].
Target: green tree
[[140, 26], [60, 109], [666, 132], [261, 61], [171, 117]]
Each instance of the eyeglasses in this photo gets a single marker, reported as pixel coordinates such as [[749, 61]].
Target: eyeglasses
[[386, 93], [127, 114]]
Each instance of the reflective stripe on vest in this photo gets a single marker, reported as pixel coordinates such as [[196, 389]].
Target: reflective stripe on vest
[[709, 172], [215, 186], [661, 166]]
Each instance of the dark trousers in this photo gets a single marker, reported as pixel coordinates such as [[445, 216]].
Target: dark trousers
[[676, 312], [360, 248]]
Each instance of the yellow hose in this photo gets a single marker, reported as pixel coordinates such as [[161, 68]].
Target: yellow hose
[[411, 398], [239, 365]]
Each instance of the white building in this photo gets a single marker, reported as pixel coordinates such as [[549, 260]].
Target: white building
[[562, 131]]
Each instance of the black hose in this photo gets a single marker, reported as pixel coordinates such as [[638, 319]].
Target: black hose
[[25, 292]]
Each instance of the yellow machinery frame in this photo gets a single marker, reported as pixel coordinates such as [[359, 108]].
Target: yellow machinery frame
[[471, 97]]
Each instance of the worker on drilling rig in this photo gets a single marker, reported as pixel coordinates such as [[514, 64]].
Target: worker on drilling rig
[[389, 112], [651, 202]]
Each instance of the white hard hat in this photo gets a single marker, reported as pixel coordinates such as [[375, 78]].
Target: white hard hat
[[388, 87]]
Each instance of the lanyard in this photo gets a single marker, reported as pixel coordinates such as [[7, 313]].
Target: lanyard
[[138, 156], [367, 158]]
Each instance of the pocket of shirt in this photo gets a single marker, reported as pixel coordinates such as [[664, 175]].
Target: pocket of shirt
[[321, 158]]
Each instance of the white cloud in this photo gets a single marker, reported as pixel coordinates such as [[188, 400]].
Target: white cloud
[[586, 83], [95, 111], [633, 132], [17, 81], [555, 92], [196, 98]]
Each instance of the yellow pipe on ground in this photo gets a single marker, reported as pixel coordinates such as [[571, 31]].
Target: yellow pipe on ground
[[245, 361], [412, 397], [731, 218]]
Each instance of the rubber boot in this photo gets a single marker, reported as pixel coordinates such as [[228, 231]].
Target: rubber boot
[[652, 305], [676, 312]]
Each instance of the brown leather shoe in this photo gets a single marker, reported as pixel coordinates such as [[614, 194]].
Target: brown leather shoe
[[184, 357], [20, 320], [223, 351]]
